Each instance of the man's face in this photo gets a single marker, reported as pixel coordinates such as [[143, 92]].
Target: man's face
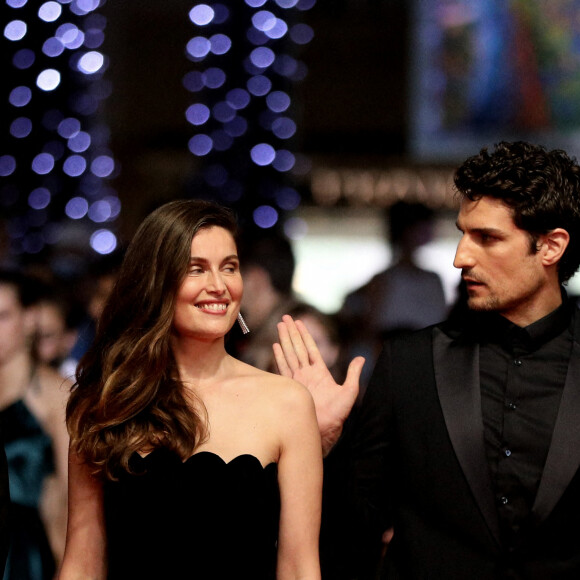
[[499, 268]]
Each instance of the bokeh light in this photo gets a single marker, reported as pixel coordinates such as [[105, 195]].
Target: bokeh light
[[55, 158], [241, 111]]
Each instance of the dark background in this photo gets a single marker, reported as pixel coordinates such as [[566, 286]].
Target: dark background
[[352, 103]]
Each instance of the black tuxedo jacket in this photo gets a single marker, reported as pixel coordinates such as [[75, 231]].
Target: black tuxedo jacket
[[417, 455]]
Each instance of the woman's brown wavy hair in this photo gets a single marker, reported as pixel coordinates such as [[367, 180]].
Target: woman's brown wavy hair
[[128, 396]]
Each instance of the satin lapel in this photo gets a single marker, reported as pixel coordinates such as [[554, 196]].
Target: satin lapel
[[457, 378], [564, 455]]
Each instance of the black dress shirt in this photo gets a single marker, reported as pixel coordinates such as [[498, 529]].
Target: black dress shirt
[[522, 375]]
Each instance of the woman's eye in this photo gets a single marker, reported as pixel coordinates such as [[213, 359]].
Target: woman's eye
[[195, 270]]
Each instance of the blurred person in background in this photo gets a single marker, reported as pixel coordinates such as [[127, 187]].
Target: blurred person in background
[[402, 297], [32, 414], [57, 320], [95, 288]]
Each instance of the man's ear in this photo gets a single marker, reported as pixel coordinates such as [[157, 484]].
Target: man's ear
[[554, 245]]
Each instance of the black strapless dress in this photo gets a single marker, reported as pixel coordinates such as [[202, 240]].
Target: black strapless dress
[[199, 519]]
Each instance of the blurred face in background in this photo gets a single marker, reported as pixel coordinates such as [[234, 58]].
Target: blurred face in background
[[329, 350], [54, 340], [16, 324]]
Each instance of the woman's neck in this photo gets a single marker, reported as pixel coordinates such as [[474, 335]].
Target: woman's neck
[[200, 362]]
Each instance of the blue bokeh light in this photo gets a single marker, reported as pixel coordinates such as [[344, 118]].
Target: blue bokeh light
[[200, 144], [7, 165], [21, 127], [43, 163], [284, 161], [288, 198], [80, 142], [236, 127], [39, 198], [198, 47], [74, 165], [238, 98], [262, 57], [263, 154], [20, 96], [202, 14], [214, 78], [278, 101], [103, 241], [15, 30], [223, 112], [53, 47], [77, 208], [23, 58], [197, 114], [259, 85], [278, 30], [100, 211], [69, 127], [103, 166], [284, 128], [220, 44], [301, 33], [265, 216], [91, 62], [50, 11], [193, 81], [48, 79]]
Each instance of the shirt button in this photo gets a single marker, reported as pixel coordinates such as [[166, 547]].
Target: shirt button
[[517, 362], [512, 406], [504, 500], [507, 452]]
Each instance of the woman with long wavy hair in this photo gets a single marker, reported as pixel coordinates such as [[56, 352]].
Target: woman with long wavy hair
[[184, 461]]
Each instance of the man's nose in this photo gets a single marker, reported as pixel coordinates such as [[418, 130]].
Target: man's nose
[[463, 255]]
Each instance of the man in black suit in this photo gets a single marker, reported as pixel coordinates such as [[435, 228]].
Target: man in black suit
[[468, 440]]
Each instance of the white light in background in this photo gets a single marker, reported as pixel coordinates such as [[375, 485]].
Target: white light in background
[[337, 251]]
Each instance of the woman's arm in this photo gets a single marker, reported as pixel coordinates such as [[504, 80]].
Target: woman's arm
[[85, 552], [300, 482]]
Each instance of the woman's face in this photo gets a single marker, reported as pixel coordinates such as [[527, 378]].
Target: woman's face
[[208, 300]]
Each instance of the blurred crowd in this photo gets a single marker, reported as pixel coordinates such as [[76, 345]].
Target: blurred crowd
[[46, 324]]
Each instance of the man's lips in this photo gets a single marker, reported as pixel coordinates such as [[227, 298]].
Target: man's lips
[[472, 282]]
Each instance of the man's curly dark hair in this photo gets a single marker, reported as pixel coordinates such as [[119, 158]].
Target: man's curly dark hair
[[541, 187]]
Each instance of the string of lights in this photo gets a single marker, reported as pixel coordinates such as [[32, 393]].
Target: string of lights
[[55, 162], [243, 114]]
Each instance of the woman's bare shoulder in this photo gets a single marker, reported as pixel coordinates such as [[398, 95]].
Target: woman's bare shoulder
[[275, 388]]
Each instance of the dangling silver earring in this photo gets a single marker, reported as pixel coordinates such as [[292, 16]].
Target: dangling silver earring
[[243, 324]]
